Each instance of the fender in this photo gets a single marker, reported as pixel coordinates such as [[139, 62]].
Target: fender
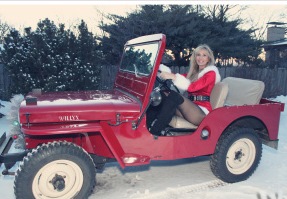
[[268, 114], [83, 128], [113, 142]]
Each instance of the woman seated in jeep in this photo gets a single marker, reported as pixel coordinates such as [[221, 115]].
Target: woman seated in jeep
[[198, 83]]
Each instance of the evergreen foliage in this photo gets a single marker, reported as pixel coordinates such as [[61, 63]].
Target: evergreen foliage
[[137, 60], [52, 58], [186, 26]]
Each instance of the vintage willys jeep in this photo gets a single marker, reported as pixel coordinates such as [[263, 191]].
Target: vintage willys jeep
[[69, 135]]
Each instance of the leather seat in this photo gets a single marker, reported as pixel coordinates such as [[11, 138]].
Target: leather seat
[[217, 99], [243, 91]]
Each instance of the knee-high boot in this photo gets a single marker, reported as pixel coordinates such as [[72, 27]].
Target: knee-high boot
[[166, 112]]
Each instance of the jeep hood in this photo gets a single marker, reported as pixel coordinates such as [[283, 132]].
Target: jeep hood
[[78, 106]]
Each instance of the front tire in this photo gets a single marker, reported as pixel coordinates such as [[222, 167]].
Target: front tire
[[55, 170], [237, 155]]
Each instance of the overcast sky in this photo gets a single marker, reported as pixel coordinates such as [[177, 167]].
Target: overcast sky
[[21, 14]]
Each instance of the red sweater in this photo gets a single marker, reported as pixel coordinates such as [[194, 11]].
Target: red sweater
[[207, 78], [203, 86]]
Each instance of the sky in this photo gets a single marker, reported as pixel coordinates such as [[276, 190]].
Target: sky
[[67, 12], [20, 14]]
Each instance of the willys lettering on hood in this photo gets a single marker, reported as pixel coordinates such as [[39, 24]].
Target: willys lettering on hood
[[69, 118], [78, 106]]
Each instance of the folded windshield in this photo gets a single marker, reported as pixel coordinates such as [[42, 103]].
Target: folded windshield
[[139, 59]]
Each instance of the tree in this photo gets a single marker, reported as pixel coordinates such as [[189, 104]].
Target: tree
[[123, 29], [89, 57], [236, 44], [4, 28], [52, 58], [186, 27]]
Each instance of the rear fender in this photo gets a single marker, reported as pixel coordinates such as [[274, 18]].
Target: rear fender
[[262, 117], [258, 126]]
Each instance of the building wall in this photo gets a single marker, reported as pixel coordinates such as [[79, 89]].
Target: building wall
[[275, 33], [272, 54]]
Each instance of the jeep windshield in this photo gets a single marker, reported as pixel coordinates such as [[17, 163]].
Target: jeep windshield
[[139, 59]]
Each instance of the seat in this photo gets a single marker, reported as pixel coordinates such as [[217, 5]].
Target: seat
[[217, 99], [243, 91], [218, 94]]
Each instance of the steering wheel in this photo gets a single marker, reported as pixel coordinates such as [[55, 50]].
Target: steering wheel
[[168, 84]]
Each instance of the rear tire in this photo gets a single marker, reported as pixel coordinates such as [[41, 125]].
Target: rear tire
[[237, 155], [55, 170]]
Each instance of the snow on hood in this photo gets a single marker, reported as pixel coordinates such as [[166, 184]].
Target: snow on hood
[[77, 106]]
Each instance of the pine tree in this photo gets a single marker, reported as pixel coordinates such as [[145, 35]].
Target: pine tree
[[87, 71], [186, 27], [52, 58]]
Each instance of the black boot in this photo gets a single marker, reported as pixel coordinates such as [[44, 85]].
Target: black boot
[[154, 110], [166, 112]]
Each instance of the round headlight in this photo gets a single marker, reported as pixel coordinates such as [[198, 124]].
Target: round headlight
[[155, 98]]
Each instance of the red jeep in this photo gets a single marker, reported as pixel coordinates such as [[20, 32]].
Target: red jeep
[[69, 135]]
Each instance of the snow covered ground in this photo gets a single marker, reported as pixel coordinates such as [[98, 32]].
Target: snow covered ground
[[184, 179]]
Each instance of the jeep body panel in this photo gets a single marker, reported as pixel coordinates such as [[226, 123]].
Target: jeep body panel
[[122, 141], [113, 123], [192, 145], [81, 106], [98, 121]]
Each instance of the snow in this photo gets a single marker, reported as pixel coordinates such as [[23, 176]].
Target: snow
[[183, 179]]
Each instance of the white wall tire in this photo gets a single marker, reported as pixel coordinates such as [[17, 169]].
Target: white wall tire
[[56, 170], [237, 155]]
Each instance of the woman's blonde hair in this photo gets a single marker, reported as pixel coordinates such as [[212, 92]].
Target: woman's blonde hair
[[193, 66]]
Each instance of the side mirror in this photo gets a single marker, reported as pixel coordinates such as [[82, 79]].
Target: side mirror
[[155, 97]]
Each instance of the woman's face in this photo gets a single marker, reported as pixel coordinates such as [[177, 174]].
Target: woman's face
[[202, 58]]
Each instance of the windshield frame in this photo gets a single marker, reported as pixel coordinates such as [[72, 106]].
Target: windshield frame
[[141, 46]]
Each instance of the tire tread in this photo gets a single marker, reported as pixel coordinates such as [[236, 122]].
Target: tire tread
[[43, 154]]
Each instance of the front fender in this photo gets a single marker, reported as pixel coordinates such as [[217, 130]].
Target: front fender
[[113, 143], [38, 134]]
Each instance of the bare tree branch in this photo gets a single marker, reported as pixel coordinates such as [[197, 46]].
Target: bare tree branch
[[4, 28]]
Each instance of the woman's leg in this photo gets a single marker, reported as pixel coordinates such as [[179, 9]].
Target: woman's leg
[[167, 110], [190, 111]]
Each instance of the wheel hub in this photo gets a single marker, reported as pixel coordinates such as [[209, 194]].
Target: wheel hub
[[58, 182], [58, 179], [238, 155]]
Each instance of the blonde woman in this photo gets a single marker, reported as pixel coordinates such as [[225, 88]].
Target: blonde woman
[[198, 82]]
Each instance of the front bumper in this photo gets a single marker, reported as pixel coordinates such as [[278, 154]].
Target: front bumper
[[9, 159]]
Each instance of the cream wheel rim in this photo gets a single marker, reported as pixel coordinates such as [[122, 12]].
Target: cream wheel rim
[[240, 156], [58, 179]]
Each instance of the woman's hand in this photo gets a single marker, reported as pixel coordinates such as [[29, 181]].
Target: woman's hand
[[166, 75]]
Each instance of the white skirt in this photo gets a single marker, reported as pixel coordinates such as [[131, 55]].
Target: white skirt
[[204, 109]]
